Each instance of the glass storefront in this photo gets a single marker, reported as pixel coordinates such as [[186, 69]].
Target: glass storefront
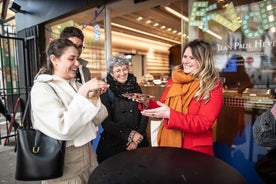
[[153, 32], [235, 31]]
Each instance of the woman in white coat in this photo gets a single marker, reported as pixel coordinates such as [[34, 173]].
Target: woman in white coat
[[66, 110]]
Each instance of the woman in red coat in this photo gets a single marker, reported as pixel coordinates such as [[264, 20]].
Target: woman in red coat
[[191, 101]]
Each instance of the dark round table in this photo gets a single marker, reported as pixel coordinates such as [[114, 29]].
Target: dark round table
[[164, 165]]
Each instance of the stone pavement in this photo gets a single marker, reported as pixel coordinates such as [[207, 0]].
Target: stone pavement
[[7, 166]]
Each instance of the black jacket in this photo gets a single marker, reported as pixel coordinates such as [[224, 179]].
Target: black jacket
[[123, 117]]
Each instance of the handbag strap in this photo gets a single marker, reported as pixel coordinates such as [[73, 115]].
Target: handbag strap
[[38, 133], [27, 107], [36, 147]]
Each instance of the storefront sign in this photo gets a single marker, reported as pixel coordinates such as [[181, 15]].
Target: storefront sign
[[241, 46], [263, 14]]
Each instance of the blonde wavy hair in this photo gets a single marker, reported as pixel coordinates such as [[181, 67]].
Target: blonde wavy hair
[[207, 74]]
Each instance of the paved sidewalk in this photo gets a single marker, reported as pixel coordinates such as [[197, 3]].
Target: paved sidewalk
[[8, 159], [7, 166]]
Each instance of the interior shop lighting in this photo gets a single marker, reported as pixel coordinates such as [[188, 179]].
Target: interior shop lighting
[[131, 40], [213, 34], [156, 24], [145, 33], [172, 11]]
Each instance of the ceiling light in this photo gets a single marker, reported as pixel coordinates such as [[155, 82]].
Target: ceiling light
[[148, 22], [145, 33], [140, 18], [172, 11], [163, 27], [156, 24], [213, 34], [174, 31], [136, 41], [169, 29]]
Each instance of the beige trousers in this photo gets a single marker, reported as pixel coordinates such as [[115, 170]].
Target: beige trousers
[[78, 165]]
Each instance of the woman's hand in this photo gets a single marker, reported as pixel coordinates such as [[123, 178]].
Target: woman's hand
[[161, 112], [131, 146], [93, 88], [137, 138]]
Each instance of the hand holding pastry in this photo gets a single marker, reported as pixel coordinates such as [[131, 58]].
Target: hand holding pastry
[[93, 88]]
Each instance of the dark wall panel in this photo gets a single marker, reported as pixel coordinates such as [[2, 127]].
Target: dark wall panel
[[40, 11]]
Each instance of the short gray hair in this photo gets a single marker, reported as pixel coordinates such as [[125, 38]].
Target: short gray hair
[[117, 60]]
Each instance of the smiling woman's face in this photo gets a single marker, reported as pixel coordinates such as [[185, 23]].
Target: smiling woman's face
[[189, 62], [67, 64], [120, 73]]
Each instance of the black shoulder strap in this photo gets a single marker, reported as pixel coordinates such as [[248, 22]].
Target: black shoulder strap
[[26, 109], [28, 105]]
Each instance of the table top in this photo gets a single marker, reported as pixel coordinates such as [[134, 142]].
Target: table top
[[164, 165]]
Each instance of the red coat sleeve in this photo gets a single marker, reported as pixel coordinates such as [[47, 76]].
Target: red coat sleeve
[[200, 117]]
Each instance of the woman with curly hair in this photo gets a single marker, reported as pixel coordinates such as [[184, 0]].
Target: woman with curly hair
[[125, 127]]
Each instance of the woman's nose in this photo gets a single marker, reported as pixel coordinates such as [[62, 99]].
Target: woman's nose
[[185, 60], [77, 62]]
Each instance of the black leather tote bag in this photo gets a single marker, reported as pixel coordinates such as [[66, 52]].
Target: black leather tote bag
[[39, 157]]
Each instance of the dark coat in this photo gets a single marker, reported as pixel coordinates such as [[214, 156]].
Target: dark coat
[[264, 130], [123, 117]]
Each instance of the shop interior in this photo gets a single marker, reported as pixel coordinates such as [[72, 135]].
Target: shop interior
[[153, 32]]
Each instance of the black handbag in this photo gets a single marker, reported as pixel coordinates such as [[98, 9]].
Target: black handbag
[[39, 157]]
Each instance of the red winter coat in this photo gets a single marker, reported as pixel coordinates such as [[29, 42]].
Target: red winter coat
[[197, 123]]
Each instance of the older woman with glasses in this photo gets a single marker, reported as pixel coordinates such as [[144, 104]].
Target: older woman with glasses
[[125, 128]]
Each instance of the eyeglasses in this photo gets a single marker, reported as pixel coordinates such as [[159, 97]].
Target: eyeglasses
[[117, 72], [81, 47]]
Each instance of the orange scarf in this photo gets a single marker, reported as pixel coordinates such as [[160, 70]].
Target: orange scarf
[[179, 96]]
